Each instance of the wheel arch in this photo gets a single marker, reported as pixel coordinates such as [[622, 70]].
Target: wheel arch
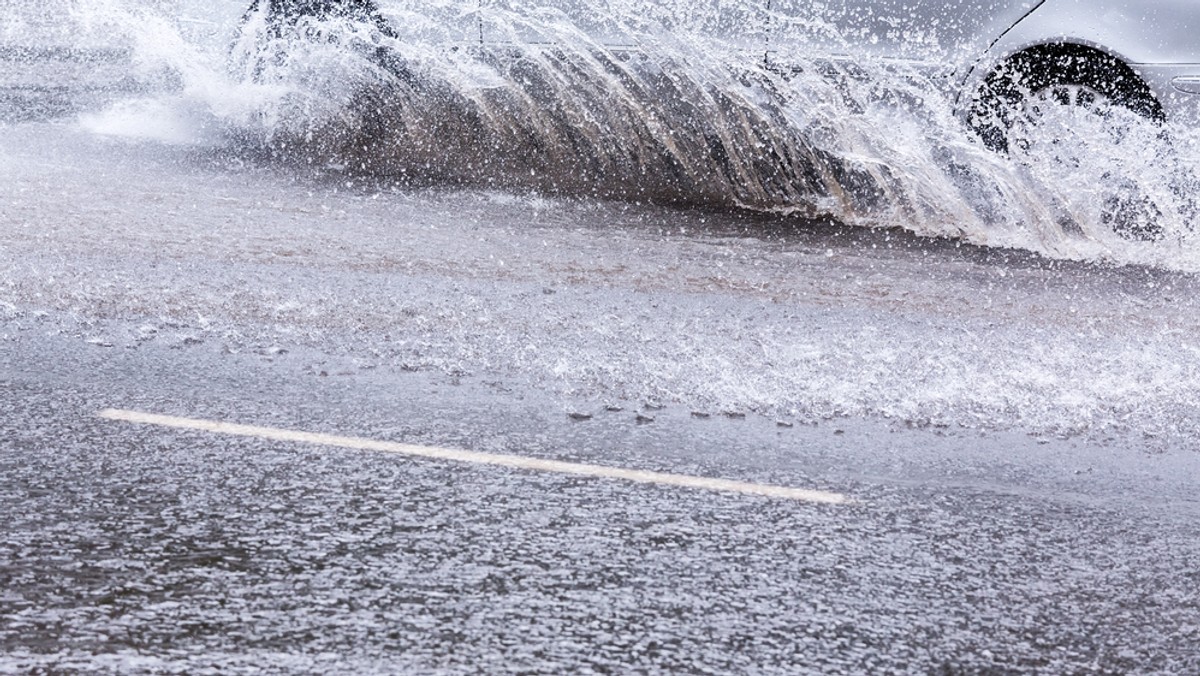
[[1143, 36]]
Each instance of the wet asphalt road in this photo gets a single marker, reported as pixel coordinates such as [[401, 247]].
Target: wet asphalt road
[[141, 549], [1004, 523], [134, 282]]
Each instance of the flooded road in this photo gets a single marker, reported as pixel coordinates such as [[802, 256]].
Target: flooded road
[[122, 244], [154, 550], [1017, 425]]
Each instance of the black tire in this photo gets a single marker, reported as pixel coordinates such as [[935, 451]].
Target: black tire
[[284, 21], [282, 15], [1007, 91]]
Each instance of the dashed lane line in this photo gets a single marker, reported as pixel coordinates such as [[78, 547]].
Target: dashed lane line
[[473, 457]]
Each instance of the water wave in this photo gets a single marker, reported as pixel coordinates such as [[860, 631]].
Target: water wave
[[680, 117]]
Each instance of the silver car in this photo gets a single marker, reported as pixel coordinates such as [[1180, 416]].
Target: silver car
[[993, 57]]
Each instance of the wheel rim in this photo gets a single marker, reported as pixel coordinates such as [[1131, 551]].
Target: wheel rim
[[1061, 105], [1066, 96]]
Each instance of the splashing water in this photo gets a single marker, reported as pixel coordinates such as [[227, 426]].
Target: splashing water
[[690, 119], [683, 117]]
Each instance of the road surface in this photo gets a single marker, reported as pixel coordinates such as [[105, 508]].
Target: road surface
[[989, 455]]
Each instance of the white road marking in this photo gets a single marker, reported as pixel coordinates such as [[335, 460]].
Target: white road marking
[[513, 461]]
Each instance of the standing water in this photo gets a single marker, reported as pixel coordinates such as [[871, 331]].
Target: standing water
[[672, 257]]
